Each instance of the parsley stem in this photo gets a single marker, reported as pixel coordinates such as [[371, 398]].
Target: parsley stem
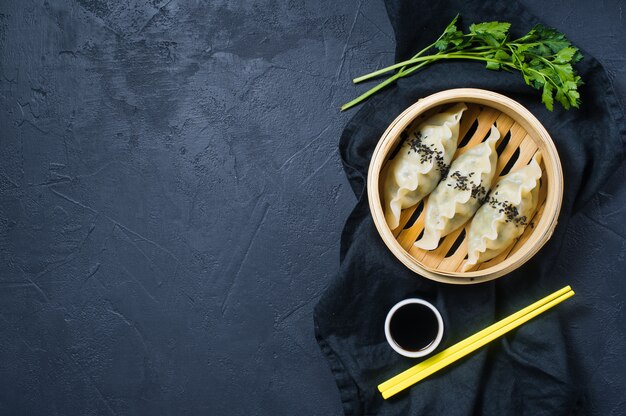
[[421, 61], [476, 57], [402, 64], [417, 55], [382, 85], [371, 91], [414, 60]]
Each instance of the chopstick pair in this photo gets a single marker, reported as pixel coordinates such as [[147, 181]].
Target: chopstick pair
[[435, 363]]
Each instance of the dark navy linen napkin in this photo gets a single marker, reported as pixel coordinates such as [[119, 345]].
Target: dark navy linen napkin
[[537, 369]]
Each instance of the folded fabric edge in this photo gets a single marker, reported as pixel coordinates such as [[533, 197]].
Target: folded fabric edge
[[617, 111], [348, 390], [356, 179]]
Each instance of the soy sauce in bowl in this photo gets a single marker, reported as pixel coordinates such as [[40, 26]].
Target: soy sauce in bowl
[[414, 327]]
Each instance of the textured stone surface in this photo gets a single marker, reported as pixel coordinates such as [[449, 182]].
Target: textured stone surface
[[171, 197]]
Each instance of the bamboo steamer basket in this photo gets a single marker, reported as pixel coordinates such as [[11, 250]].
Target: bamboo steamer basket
[[522, 135]]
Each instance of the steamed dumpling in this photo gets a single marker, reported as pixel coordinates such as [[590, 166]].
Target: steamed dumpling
[[417, 168], [504, 216], [459, 195]]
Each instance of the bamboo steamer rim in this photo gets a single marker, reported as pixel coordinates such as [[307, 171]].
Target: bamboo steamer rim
[[547, 222]]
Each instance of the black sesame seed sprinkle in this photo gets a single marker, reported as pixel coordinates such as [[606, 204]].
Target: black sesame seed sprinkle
[[442, 166], [462, 182], [510, 211], [426, 152], [479, 193]]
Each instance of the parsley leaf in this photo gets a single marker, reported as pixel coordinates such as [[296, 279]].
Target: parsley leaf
[[492, 33], [546, 96]]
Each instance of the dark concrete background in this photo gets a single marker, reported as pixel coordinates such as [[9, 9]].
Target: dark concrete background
[[171, 196]]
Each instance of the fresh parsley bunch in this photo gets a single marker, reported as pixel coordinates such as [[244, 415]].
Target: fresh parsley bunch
[[544, 56]]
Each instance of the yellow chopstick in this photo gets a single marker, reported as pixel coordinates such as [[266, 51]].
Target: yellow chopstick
[[459, 350]]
